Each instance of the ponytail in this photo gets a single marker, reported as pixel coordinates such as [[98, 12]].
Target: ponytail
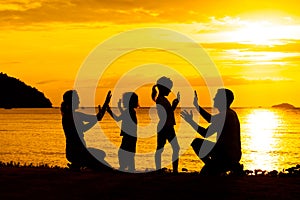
[[154, 93], [161, 83]]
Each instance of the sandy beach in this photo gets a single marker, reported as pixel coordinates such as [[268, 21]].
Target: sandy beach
[[52, 183]]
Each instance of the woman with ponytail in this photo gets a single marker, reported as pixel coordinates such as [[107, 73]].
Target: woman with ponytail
[[165, 127]]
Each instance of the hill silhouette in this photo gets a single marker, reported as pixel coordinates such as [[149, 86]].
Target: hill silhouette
[[284, 105], [16, 94]]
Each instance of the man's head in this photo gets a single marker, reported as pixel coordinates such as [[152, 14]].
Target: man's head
[[223, 99]]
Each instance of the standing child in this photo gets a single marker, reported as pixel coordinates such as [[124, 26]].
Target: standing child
[[165, 127], [128, 130]]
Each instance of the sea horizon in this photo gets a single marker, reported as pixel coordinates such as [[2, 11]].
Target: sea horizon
[[178, 107], [269, 138]]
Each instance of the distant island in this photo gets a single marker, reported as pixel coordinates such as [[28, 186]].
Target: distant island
[[16, 94], [284, 105]]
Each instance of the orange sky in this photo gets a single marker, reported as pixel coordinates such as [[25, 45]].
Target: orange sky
[[255, 45]]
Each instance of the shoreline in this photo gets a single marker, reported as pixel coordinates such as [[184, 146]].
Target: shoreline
[[53, 183]]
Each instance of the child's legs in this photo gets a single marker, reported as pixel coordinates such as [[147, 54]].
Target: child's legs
[[158, 158], [122, 159], [161, 141], [175, 147], [131, 161], [128, 147]]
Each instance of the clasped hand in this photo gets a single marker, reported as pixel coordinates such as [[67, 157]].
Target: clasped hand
[[102, 110]]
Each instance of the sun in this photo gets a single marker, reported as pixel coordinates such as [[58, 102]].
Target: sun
[[266, 29], [263, 29], [258, 33]]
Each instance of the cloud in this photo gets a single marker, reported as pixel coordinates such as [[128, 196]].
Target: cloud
[[15, 5], [236, 80], [10, 63], [231, 80], [20, 12], [233, 53], [47, 82]]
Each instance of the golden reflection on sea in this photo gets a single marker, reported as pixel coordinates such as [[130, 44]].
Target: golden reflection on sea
[[261, 126]]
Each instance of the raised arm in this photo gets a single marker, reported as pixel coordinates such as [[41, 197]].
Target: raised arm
[[202, 112], [176, 101], [101, 112], [188, 117], [119, 105], [113, 115]]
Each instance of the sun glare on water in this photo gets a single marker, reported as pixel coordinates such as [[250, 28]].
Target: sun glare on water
[[261, 126]]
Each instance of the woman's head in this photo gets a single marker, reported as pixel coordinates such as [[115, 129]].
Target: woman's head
[[164, 86], [70, 101], [130, 100]]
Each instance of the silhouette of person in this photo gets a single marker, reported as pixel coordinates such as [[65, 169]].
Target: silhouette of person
[[127, 149], [226, 153], [75, 124], [165, 127]]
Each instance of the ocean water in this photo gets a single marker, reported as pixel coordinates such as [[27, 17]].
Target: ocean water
[[270, 138]]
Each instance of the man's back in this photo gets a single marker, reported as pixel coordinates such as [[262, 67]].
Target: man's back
[[229, 142]]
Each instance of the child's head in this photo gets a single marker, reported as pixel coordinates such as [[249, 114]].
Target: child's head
[[130, 100], [164, 86]]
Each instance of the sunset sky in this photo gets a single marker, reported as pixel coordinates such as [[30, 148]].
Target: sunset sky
[[255, 45]]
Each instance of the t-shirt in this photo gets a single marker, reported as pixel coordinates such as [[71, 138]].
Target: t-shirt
[[129, 123], [75, 144], [165, 112], [227, 126]]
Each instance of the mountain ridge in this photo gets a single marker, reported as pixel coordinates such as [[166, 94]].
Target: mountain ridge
[[284, 105], [16, 94]]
